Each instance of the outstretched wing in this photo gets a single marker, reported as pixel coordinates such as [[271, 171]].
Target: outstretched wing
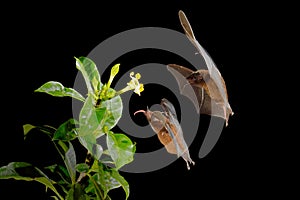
[[202, 101], [194, 94], [213, 70]]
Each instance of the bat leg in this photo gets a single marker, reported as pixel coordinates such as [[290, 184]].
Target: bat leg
[[188, 162], [202, 98], [224, 113], [226, 118], [187, 165], [174, 140]]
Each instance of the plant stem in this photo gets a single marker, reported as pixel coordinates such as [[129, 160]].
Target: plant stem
[[88, 161], [98, 190]]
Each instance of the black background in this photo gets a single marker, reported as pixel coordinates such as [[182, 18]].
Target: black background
[[41, 42]]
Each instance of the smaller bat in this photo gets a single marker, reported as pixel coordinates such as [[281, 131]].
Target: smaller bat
[[168, 130], [208, 84]]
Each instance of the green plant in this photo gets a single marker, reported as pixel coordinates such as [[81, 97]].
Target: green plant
[[99, 173]]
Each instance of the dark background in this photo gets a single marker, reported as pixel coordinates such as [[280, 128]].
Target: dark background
[[42, 40]]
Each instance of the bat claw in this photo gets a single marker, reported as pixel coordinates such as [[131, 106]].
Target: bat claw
[[187, 164]]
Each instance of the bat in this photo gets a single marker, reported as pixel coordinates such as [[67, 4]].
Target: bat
[[208, 84], [166, 126]]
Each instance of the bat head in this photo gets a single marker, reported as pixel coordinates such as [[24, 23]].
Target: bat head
[[156, 119], [147, 113], [198, 77]]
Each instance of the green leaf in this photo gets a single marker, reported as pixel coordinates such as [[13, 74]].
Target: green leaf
[[93, 119], [102, 181], [90, 118], [115, 175], [94, 186], [66, 131], [90, 143], [76, 193], [26, 172], [63, 146], [48, 183], [82, 168], [58, 90], [27, 128], [121, 149], [108, 179], [9, 170], [97, 151], [70, 161], [87, 117], [114, 108], [90, 74], [45, 129], [61, 171]]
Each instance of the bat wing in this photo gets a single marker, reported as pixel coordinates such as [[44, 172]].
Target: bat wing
[[190, 34], [175, 131], [207, 105], [173, 127], [184, 71], [168, 107], [166, 130], [186, 25], [180, 73], [203, 103], [213, 70]]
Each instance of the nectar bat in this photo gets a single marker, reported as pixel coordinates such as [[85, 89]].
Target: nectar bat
[[168, 130], [208, 84]]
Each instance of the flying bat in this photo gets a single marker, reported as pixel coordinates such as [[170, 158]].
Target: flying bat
[[208, 84], [165, 124]]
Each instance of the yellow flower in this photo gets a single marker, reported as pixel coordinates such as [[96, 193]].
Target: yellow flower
[[139, 89], [138, 76], [133, 84]]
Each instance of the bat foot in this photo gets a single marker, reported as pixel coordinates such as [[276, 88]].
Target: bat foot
[[188, 162], [188, 167]]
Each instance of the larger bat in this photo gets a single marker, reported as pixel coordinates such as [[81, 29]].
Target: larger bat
[[208, 84], [168, 130]]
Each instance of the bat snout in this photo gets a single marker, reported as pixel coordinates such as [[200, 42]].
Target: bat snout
[[147, 113]]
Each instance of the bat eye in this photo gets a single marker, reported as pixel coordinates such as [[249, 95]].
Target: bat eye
[[193, 77], [190, 77]]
